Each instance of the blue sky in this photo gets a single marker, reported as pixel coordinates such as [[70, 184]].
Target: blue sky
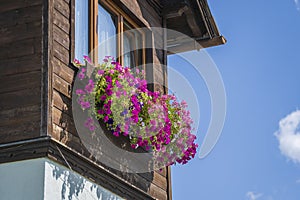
[[260, 67]]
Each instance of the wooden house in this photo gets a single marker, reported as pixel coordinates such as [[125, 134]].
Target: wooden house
[[41, 154]]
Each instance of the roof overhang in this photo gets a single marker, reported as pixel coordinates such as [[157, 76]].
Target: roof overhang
[[194, 19]]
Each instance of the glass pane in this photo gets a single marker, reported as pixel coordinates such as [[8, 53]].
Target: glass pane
[[81, 29], [132, 47], [127, 57], [106, 34]]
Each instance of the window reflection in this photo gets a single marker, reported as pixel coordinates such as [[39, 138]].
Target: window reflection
[[132, 47], [106, 34], [81, 29]]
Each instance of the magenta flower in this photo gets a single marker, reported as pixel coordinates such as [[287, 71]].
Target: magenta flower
[[115, 133], [81, 75], [106, 118], [118, 93], [108, 91], [80, 92], [108, 79], [106, 106], [103, 98], [100, 112], [118, 84], [85, 104], [100, 72], [108, 111], [92, 128], [87, 59], [90, 86], [77, 62], [111, 71]]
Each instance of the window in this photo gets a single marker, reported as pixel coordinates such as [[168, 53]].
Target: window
[[132, 46], [107, 29], [81, 29], [102, 24]]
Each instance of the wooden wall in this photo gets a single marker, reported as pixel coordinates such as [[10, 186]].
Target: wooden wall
[[36, 74], [21, 74], [62, 76]]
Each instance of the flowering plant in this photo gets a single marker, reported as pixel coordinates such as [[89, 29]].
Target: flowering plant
[[120, 98]]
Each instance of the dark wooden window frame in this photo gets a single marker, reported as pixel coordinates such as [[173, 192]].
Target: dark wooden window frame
[[121, 16], [125, 14]]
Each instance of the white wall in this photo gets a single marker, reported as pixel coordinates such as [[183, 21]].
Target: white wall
[[22, 180], [44, 179]]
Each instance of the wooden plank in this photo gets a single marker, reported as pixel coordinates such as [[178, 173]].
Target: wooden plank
[[30, 80], [156, 5], [21, 16], [67, 138], [144, 12], [62, 7], [156, 178], [157, 192], [134, 179], [20, 65], [28, 30], [64, 121], [193, 45], [7, 5], [61, 37], [47, 78], [62, 102], [61, 53], [160, 181], [62, 86], [26, 97], [162, 172], [149, 14], [20, 48], [61, 21], [20, 131], [63, 70], [19, 115]]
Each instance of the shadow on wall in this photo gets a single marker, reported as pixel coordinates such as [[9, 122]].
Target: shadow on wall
[[74, 186]]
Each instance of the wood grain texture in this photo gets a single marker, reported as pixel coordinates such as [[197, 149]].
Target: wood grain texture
[[61, 21], [21, 33], [7, 5], [22, 15], [19, 65], [15, 125]]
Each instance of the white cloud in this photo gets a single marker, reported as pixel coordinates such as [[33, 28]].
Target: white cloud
[[288, 136], [253, 196]]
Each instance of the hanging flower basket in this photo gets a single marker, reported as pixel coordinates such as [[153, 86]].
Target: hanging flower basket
[[119, 99]]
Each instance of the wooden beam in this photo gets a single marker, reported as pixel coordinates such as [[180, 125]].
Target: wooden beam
[[191, 21], [177, 13], [196, 45]]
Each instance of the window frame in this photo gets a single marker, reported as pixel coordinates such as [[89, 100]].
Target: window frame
[[121, 16]]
